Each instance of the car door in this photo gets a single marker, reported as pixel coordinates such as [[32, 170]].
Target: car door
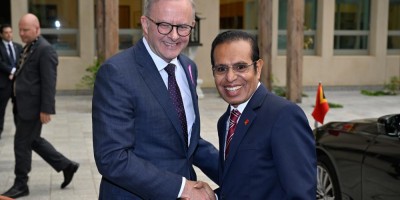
[[381, 169]]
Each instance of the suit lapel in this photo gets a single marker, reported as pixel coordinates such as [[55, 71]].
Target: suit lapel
[[246, 119], [153, 80], [4, 51], [192, 86], [30, 52]]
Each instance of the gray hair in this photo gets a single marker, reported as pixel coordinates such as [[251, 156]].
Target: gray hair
[[149, 3]]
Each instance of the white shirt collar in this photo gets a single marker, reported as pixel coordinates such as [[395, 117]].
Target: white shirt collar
[[6, 43], [160, 63], [243, 105]]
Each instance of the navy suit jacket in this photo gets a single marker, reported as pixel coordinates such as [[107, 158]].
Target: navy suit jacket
[[5, 63], [138, 143], [272, 153]]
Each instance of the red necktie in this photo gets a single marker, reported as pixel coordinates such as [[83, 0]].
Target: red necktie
[[176, 97], [232, 126]]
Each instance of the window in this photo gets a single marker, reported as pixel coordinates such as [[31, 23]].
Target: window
[[59, 24], [130, 30], [310, 25], [242, 14], [393, 43], [352, 24]]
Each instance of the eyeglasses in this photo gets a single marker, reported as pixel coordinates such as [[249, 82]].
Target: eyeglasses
[[237, 68], [165, 28]]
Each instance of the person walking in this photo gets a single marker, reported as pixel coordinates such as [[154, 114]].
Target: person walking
[[34, 90]]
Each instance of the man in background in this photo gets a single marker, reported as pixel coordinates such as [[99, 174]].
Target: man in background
[[9, 56], [35, 89]]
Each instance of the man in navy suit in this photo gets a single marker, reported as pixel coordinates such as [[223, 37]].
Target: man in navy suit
[[144, 145], [267, 148], [9, 55]]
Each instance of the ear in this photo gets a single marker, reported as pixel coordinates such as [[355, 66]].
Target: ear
[[145, 24], [260, 64]]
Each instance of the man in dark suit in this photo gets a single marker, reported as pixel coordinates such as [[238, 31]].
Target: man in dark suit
[[145, 141], [9, 55], [35, 88], [267, 148]]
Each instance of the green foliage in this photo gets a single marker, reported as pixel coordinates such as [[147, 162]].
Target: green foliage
[[281, 91], [394, 85], [334, 105], [89, 79], [391, 88]]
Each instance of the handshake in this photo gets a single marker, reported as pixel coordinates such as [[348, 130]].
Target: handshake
[[197, 190]]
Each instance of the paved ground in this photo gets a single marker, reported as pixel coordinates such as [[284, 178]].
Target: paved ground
[[70, 133]]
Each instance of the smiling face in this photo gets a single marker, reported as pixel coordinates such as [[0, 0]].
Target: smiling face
[[175, 12], [236, 88]]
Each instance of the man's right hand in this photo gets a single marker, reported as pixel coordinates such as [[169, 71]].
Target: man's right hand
[[195, 190]]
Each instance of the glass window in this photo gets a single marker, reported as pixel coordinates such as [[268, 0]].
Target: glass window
[[130, 30], [393, 44], [352, 21], [310, 25], [59, 24], [241, 14]]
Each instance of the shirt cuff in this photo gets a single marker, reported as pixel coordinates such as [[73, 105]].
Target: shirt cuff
[[13, 70], [182, 187]]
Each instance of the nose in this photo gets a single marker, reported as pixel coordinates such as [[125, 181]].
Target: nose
[[174, 33], [230, 75]]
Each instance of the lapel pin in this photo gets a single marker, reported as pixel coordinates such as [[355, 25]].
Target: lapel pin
[[246, 122]]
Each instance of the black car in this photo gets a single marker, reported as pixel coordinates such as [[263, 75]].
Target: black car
[[359, 159]]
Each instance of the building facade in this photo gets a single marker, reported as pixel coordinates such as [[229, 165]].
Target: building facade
[[346, 42]]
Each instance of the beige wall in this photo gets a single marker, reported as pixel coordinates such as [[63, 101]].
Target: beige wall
[[373, 69], [208, 10]]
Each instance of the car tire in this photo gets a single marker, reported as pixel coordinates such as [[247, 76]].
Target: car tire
[[327, 181]]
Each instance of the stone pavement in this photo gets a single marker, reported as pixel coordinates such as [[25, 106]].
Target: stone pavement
[[70, 131]]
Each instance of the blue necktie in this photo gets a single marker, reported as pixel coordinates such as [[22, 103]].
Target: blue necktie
[[12, 57], [176, 98]]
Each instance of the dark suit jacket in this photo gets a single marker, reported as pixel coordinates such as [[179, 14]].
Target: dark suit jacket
[[138, 143], [5, 63], [35, 81], [272, 154]]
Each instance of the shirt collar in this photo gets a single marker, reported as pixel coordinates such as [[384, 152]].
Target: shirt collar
[[160, 63], [243, 105], [6, 43]]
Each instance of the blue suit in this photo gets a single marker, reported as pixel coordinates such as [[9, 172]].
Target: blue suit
[[272, 153], [138, 141]]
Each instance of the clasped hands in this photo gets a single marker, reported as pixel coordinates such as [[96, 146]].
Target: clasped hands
[[197, 190]]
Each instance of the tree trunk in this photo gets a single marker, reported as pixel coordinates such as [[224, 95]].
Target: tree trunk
[[294, 59], [265, 40]]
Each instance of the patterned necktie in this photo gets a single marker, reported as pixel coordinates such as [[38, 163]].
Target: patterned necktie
[[232, 126], [11, 54], [176, 97]]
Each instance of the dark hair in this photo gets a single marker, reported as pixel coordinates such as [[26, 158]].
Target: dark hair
[[3, 26], [236, 35]]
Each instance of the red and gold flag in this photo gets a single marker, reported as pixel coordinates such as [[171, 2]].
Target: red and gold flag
[[321, 105]]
